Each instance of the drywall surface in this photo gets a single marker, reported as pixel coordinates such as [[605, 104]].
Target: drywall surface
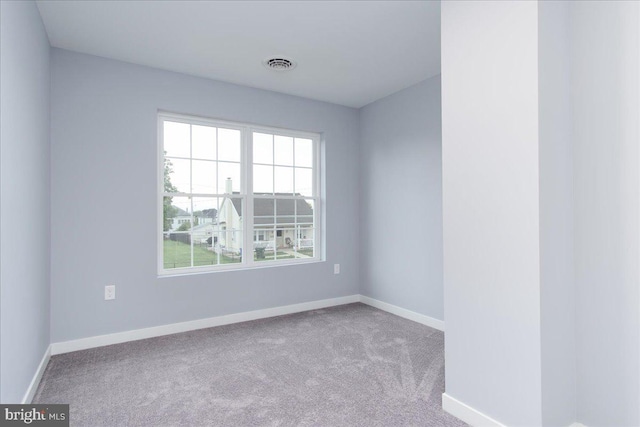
[[605, 73], [104, 230], [24, 197], [401, 199], [557, 290], [491, 208]]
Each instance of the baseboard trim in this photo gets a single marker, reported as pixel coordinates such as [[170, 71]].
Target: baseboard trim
[[35, 381], [577, 425], [403, 312], [467, 414], [174, 328]]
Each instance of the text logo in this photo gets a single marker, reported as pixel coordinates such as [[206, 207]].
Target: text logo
[[34, 415]]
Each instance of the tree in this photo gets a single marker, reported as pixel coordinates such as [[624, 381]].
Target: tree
[[168, 210], [185, 226]]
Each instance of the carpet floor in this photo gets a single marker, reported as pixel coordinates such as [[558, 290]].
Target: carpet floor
[[351, 365]]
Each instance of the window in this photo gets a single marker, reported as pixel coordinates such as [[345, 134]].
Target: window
[[235, 196]]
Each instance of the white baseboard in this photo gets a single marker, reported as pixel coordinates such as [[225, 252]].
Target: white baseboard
[[156, 331], [467, 414], [577, 425], [35, 381], [174, 328], [403, 312]]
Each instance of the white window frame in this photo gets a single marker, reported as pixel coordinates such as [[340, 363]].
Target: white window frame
[[246, 194]]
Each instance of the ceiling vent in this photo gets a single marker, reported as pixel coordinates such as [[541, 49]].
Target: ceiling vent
[[279, 64]]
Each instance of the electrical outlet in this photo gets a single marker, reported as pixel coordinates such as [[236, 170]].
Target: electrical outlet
[[336, 268], [110, 292]]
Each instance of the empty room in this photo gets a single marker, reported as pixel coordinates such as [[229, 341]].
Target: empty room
[[320, 213]]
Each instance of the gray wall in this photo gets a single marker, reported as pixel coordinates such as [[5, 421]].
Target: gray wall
[[103, 207], [24, 197], [401, 199], [567, 76], [490, 205], [557, 290], [605, 75]]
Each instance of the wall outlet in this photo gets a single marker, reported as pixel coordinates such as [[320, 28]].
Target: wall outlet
[[110, 292], [336, 268]]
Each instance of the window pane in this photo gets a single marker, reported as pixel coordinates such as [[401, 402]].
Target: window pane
[[262, 148], [177, 175], [277, 237], [228, 177], [229, 144], [304, 152], [177, 250], [228, 229], [305, 242], [204, 228], [170, 213], [263, 214], [176, 235], [264, 250], [288, 238], [176, 139], [231, 249], [304, 213], [264, 235], [283, 153], [283, 180], [203, 142], [286, 212], [176, 213], [286, 243], [304, 182], [203, 176], [263, 179]]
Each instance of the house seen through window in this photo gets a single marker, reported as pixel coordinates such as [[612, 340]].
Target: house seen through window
[[235, 196]]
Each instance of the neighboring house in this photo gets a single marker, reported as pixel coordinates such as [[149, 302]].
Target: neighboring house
[[292, 225], [206, 216], [201, 233], [181, 217]]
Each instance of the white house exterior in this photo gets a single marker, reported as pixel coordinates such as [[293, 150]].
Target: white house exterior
[[207, 216], [290, 227]]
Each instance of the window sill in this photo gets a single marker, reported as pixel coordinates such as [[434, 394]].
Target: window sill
[[191, 271]]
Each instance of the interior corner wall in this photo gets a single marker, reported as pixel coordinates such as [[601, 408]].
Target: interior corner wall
[[557, 290], [401, 199], [605, 88], [491, 208], [24, 197], [104, 198]]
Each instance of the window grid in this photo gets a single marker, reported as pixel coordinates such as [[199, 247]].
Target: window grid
[[291, 231]]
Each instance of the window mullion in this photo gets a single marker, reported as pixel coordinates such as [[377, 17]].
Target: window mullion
[[191, 189], [247, 223], [218, 204]]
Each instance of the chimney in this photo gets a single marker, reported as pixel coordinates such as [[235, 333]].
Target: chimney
[[227, 186]]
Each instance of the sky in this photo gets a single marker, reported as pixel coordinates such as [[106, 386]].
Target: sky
[[281, 164]]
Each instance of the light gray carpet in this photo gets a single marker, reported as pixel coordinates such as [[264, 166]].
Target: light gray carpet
[[351, 365]]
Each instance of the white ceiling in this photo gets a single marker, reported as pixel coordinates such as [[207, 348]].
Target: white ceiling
[[348, 52]]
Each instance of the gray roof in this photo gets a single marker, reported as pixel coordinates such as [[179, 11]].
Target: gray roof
[[205, 213], [288, 211], [180, 211], [208, 213]]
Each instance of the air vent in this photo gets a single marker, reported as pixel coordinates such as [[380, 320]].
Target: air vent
[[279, 64]]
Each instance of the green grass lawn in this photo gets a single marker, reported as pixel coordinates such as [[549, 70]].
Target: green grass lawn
[[270, 257], [308, 252], [178, 254]]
